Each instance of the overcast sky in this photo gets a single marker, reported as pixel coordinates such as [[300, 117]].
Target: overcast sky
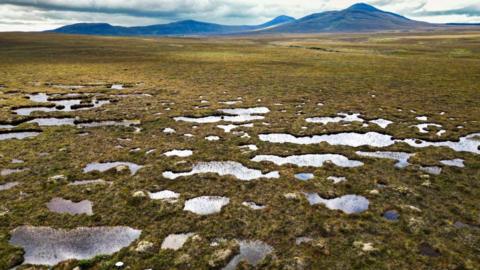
[[35, 15]]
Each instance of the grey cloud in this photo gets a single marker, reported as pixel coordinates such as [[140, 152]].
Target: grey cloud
[[149, 8], [221, 11], [471, 11], [131, 11], [175, 9], [142, 12]]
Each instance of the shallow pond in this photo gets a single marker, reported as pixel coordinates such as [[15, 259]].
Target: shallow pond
[[20, 135], [454, 163], [8, 186], [89, 182], [164, 195], [249, 147], [233, 115], [337, 179], [105, 166], [49, 246], [349, 204], [421, 118], [342, 117], [223, 168], [391, 215], [206, 205], [215, 119], [212, 138], [230, 102], [352, 139], [469, 143], [431, 170], [248, 111], [176, 241], [7, 126], [59, 105], [310, 160], [401, 157], [52, 121], [383, 123], [423, 128], [178, 153], [116, 86], [253, 205], [122, 123], [251, 252], [229, 128], [169, 130], [6, 172], [304, 176], [348, 118], [59, 205]]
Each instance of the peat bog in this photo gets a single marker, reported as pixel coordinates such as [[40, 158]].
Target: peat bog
[[201, 153]]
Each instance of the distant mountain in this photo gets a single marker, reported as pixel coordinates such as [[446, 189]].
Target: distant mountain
[[188, 27], [277, 21], [357, 18], [181, 28], [464, 24], [92, 29]]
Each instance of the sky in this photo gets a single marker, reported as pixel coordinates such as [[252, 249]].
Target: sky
[[38, 15]]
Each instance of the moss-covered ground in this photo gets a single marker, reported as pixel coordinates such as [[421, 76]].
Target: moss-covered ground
[[393, 76]]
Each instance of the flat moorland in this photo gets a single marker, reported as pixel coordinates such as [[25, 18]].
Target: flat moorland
[[70, 101]]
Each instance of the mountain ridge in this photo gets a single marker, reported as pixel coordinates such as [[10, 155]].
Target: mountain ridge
[[359, 17], [184, 27]]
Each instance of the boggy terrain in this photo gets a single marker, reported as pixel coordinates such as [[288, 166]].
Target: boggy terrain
[[298, 152]]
